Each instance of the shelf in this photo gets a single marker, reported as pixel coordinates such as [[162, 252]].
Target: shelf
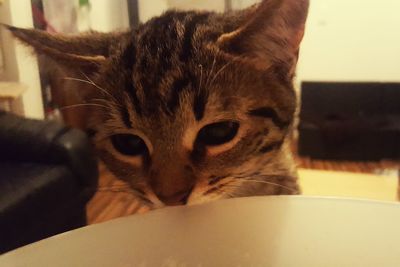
[[11, 90]]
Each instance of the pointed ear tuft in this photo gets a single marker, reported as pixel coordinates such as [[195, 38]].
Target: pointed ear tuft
[[271, 34], [85, 51]]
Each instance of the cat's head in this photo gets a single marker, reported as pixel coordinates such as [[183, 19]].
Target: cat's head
[[191, 106]]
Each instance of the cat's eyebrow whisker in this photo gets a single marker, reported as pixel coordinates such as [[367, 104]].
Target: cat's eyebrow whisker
[[101, 100], [270, 183], [93, 84], [83, 105], [105, 101], [201, 76], [222, 69], [76, 80], [211, 71], [98, 87]]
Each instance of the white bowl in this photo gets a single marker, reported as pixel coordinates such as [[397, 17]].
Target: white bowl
[[262, 231]]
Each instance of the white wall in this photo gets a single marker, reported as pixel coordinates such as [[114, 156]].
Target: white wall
[[149, 9], [238, 4], [109, 15], [350, 40], [19, 63], [216, 5], [346, 40]]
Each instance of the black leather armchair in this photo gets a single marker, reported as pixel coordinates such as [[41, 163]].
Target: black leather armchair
[[47, 175]]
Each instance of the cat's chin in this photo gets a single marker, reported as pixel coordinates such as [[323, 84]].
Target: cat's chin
[[193, 200]]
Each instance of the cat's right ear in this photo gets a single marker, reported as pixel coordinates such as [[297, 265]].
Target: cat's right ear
[[270, 34], [84, 52]]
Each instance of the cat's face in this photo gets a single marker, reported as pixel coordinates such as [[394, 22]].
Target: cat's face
[[204, 125], [192, 107]]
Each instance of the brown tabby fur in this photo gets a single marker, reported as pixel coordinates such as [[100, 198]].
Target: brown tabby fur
[[179, 72]]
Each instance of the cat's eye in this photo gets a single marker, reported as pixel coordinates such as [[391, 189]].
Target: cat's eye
[[218, 133], [129, 145]]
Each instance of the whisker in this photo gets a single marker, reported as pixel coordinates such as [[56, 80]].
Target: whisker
[[217, 187], [98, 87], [104, 100], [211, 191], [231, 185], [235, 186], [83, 105], [145, 200], [216, 179], [77, 80], [222, 69], [219, 72], [229, 194], [201, 76], [270, 183], [224, 192], [211, 71], [88, 81]]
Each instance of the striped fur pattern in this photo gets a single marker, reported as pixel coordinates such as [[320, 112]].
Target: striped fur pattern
[[180, 72]]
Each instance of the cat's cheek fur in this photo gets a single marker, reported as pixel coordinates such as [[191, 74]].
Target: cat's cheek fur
[[199, 196], [155, 201], [123, 170]]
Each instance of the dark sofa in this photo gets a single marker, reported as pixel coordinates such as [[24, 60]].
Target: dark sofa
[[47, 175]]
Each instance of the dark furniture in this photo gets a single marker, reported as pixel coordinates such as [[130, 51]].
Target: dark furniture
[[47, 175], [350, 121]]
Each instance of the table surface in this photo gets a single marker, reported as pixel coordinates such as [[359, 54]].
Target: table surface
[[260, 231]]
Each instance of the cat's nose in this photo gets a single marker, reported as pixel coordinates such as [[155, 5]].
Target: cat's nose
[[172, 183], [176, 199]]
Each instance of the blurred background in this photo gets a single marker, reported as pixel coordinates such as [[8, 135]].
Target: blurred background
[[348, 82]]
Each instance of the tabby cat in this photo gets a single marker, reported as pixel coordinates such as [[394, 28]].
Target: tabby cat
[[191, 106]]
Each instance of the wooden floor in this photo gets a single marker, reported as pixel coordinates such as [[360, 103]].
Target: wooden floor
[[114, 200], [348, 166]]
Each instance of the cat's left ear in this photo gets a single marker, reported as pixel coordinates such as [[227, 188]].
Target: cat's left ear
[[86, 52], [270, 34]]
